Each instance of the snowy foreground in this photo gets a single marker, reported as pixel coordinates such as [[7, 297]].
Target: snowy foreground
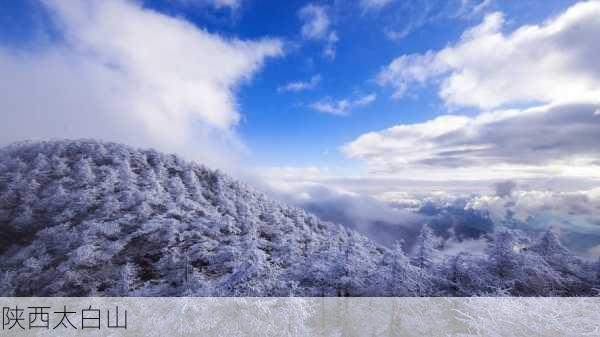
[[86, 218], [331, 316]]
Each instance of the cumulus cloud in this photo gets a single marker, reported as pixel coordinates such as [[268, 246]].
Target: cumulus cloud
[[549, 141], [301, 85], [342, 107], [487, 68], [123, 73], [408, 70], [317, 26]]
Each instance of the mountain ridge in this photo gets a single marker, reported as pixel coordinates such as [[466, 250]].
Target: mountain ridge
[[84, 217]]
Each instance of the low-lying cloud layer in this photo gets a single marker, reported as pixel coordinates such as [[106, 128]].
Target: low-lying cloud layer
[[124, 73], [461, 220], [549, 141]]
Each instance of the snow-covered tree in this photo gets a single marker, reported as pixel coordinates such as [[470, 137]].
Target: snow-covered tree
[[129, 282], [395, 276], [503, 254], [354, 265], [424, 250], [253, 274], [83, 173], [83, 218], [7, 286], [549, 245]]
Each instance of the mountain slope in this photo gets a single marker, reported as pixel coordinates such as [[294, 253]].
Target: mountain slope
[[84, 217], [81, 218]]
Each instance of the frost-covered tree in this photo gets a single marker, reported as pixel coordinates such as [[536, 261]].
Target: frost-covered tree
[[503, 254], [129, 281], [59, 167], [395, 276], [83, 173], [468, 275], [177, 189], [424, 249], [111, 207], [82, 218], [353, 265], [568, 272], [253, 274], [597, 270], [7, 286], [553, 252]]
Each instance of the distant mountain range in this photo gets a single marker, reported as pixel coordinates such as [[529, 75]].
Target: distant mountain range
[[89, 218]]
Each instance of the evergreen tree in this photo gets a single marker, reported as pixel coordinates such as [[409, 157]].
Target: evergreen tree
[[424, 250], [97, 220], [597, 278], [253, 273], [7, 286], [83, 173], [395, 276], [129, 281], [550, 246], [503, 254]]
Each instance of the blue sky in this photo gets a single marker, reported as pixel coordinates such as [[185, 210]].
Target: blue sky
[[281, 128], [306, 137]]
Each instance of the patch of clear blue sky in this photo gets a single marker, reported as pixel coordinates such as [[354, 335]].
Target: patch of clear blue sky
[[280, 128]]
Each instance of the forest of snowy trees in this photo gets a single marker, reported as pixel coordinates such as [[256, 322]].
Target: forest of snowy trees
[[82, 218]]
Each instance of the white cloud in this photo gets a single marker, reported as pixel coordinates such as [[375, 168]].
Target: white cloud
[[301, 85], [328, 106], [233, 4], [556, 61], [384, 208], [342, 107], [594, 252], [477, 7], [472, 246], [132, 75], [410, 16], [329, 49], [317, 26], [549, 141], [311, 188], [365, 100], [409, 70], [568, 211], [316, 22], [374, 4], [218, 4], [397, 35]]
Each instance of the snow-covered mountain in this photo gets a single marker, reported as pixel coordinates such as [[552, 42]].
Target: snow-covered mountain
[[81, 218]]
